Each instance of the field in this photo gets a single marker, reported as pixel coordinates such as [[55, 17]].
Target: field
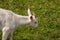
[[48, 13]]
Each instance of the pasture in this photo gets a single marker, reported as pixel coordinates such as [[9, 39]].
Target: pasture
[[48, 13]]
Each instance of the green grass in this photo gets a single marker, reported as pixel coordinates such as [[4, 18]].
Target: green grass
[[48, 13]]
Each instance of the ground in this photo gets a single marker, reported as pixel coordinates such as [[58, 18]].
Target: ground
[[48, 13]]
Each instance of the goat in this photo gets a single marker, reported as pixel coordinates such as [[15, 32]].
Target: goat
[[10, 20]]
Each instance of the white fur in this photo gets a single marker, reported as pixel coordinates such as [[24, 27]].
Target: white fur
[[9, 21], [29, 13]]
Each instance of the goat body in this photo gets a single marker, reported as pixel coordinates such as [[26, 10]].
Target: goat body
[[9, 21], [8, 18]]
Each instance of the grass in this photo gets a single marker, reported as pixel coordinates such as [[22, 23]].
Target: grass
[[48, 13]]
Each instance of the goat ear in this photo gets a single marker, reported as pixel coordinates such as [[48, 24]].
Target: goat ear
[[29, 13], [31, 17]]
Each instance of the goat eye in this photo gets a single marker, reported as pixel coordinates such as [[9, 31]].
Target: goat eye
[[35, 22]]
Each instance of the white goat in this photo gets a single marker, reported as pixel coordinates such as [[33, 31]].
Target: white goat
[[9, 21]]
